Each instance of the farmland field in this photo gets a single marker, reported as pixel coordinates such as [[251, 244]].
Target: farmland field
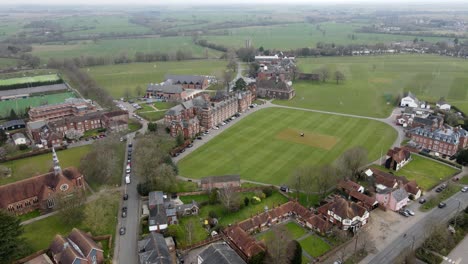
[[301, 35], [251, 147], [20, 104], [115, 47], [372, 81], [117, 78], [7, 62]]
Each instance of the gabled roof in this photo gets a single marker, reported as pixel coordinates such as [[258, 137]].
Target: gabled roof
[[400, 194], [387, 179], [319, 223], [411, 95], [367, 201], [220, 254], [18, 136], [398, 154], [343, 208], [220, 179], [246, 243], [175, 79], [349, 185], [154, 250], [273, 85], [83, 241], [165, 88]]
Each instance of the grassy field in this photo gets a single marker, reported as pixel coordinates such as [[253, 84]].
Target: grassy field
[[426, 172], [20, 105], [6, 62], [314, 246], [27, 167], [301, 35], [26, 80], [294, 230], [115, 47], [225, 218], [117, 78], [164, 105], [252, 148], [366, 90], [153, 115]]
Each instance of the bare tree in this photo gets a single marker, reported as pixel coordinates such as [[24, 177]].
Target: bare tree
[[189, 231], [324, 74], [306, 180], [96, 211], [326, 179], [70, 207], [277, 246], [227, 77], [229, 198], [339, 76], [127, 93], [139, 90], [351, 161], [232, 65]]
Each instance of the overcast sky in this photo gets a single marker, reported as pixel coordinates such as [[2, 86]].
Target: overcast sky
[[196, 2]]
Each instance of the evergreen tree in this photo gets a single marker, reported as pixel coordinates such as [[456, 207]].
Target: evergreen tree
[[296, 250], [13, 115], [240, 85], [10, 232]]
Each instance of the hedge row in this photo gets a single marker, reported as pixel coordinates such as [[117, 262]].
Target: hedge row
[[28, 85]]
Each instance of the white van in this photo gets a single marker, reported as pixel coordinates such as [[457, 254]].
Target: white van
[[127, 179]]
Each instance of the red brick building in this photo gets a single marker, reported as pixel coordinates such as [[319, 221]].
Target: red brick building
[[78, 247], [397, 158], [275, 88], [71, 107], [41, 192], [167, 92], [447, 140]]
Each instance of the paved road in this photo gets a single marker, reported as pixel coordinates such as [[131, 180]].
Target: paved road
[[416, 233], [125, 247], [460, 253]]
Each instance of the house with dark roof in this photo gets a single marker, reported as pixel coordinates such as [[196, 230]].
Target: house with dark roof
[[275, 89], [384, 180], [397, 158], [41, 192], [188, 81], [393, 199], [220, 182], [219, 253], [154, 250], [13, 124], [166, 91], [443, 105], [347, 215], [409, 100], [348, 186], [429, 122], [77, 247]]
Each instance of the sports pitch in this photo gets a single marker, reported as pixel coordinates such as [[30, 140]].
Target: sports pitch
[[26, 80], [252, 148], [372, 81]]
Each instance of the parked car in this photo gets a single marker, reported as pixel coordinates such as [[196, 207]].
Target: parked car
[[284, 188], [189, 145], [422, 200], [124, 214], [410, 212], [452, 157], [404, 213], [443, 186], [464, 189], [199, 138], [125, 197], [444, 156], [438, 190], [122, 231], [442, 205]]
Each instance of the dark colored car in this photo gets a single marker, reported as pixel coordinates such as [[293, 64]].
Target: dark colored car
[[442, 205], [438, 190], [404, 213], [452, 157], [124, 209], [199, 138], [130, 145], [182, 150], [122, 231], [444, 156], [125, 197], [422, 200], [284, 188]]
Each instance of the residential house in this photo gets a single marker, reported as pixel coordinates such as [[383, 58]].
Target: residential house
[[71, 107], [115, 121], [393, 199], [384, 180], [41, 259], [410, 100], [167, 92], [368, 202], [220, 182], [244, 244], [77, 247], [13, 124], [188, 81], [446, 140], [275, 89], [187, 209], [430, 122], [347, 215], [349, 186], [40, 192], [219, 253], [154, 250], [40, 132], [19, 139], [267, 60], [443, 105], [397, 158]]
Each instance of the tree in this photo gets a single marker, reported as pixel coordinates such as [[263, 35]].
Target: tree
[[153, 127], [229, 198], [103, 208], [180, 139], [73, 134], [13, 115], [462, 157], [127, 93], [326, 179], [351, 161], [324, 74], [451, 118], [240, 85], [455, 41], [295, 251], [253, 69], [227, 78], [277, 246], [246, 201], [10, 237], [339, 76], [71, 208], [246, 54], [304, 181], [139, 90], [3, 137], [189, 231], [232, 65], [294, 71]]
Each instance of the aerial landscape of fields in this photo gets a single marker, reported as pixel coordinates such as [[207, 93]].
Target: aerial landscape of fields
[[233, 132]]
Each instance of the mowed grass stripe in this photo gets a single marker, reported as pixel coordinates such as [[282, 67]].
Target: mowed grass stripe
[[250, 147]]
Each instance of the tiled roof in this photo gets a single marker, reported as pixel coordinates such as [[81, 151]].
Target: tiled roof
[[398, 154], [399, 194], [154, 250], [446, 134], [83, 241], [343, 208], [165, 88], [273, 85], [185, 79], [349, 185], [220, 254], [246, 243]]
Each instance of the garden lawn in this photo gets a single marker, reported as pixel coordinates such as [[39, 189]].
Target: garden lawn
[[153, 115], [164, 105], [426, 172], [314, 246], [367, 90], [225, 218], [295, 231], [252, 148], [117, 78], [28, 167]]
